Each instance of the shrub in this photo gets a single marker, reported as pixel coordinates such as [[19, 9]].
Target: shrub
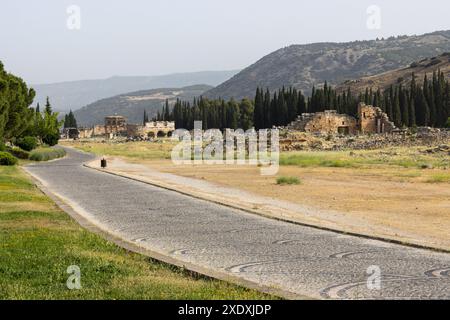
[[288, 180], [2, 146], [47, 154], [27, 143], [51, 139], [448, 123], [6, 159], [19, 153]]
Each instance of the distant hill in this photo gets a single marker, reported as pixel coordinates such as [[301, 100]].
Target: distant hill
[[132, 105], [76, 94], [400, 76], [303, 66]]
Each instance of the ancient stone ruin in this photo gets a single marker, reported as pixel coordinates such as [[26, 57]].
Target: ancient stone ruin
[[369, 120], [117, 126], [327, 122], [373, 120]]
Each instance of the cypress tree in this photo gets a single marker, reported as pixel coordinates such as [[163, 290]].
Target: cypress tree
[[258, 116]]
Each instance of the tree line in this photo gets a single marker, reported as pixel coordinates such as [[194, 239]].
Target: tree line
[[70, 121], [413, 105], [18, 119], [218, 114]]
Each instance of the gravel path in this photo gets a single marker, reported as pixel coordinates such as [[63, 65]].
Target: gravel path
[[297, 259]]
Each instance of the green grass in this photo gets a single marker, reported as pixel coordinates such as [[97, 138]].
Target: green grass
[[439, 178], [38, 242], [134, 150], [400, 157], [46, 154], [288, 180]]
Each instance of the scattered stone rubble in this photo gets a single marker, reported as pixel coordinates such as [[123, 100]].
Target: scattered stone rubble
[[438, 140]]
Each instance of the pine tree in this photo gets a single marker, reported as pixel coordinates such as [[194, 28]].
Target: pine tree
[[405, 109], [396, 109], [48, 106], [258, 117], [267, 110], [412, 112]]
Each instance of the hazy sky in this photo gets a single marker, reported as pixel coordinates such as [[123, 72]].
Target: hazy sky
[[151, 37]]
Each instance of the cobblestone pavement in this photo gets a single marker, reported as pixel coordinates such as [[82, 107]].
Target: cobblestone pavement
[[297, 259]]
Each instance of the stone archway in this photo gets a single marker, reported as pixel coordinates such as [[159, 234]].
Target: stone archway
[[161, 134]]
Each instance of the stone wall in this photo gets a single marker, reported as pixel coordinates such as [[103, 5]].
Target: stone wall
[[98, 130], [370, 120], [373, 120], [153, 129], [327, 122], [115, 125]]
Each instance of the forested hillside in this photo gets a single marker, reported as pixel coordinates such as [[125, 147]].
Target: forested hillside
[[303, 66]]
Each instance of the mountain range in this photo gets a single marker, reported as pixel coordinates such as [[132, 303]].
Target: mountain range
[[303, 66], [132, 105], [65, 96]]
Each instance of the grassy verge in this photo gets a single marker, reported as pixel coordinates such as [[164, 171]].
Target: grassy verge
[[46, 154], [439, 178], [134, 150], [288, 180], [391, 157], [38, 242], [400, 157]]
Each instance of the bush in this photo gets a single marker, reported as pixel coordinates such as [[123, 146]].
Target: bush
[[27, 143], [448, 123], [19, 153], [47, 154], [6, 159], [51, 139], [2, 146], [288, 180]]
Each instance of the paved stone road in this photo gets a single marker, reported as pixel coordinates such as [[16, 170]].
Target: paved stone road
[[302, 260]]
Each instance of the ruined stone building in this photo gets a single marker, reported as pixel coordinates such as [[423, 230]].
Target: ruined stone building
[[373, 120], [369, 120], [117, 126], [327, 122], [151, 129]]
